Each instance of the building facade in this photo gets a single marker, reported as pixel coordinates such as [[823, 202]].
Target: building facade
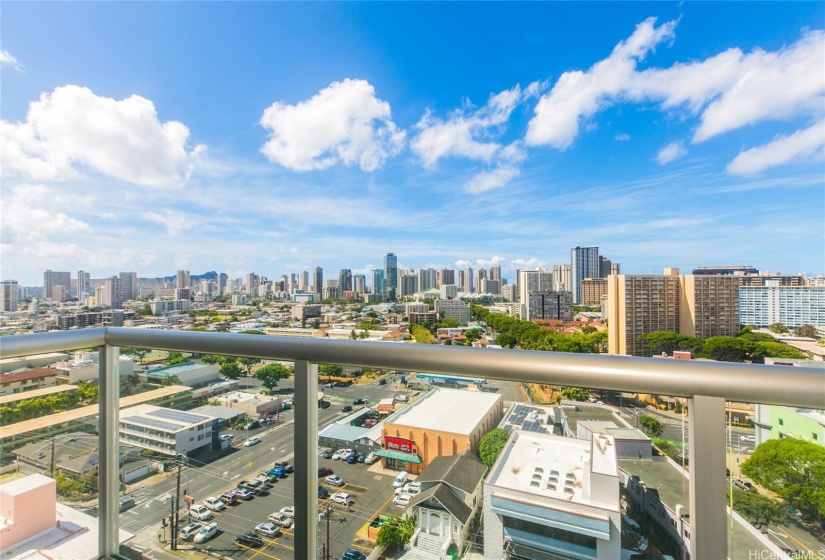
[[166, 431], [793, 306], [593, 289], [710, 306], [584, 263], [390, 277], [51, 279], [549, 306], [454, 309], [10, 294]]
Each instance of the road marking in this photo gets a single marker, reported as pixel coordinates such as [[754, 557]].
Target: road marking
[[797, 541]]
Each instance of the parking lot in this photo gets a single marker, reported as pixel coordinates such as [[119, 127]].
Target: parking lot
[[371, 492]]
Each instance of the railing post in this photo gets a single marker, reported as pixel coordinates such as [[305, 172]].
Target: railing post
[[108, 480], [306, 459], [708, 515]]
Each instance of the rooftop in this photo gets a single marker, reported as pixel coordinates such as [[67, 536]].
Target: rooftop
[[454, 410], [164, 419]]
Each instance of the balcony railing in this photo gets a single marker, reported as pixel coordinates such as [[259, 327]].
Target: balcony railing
[[706, 384]]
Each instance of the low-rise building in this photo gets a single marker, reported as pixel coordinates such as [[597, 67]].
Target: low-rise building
[[550, 496], [189, 374], [25, 381], [85, 367], [164, 430]]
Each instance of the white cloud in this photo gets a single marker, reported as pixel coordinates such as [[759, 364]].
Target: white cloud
[[73, 129], [578, 95], [622, 137], [466, 133], [34, 212], [728, 91], [343, 123], [174, 221], [671, 152], [6, 59], [783, 149], [506, 264], [493, 179]]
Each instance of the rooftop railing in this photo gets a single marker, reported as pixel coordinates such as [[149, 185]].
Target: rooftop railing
[[707, 385]]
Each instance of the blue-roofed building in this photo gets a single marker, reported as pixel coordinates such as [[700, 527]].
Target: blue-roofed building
[[190, 374]]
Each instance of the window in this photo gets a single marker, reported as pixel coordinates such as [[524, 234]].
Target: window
[[781, 422]]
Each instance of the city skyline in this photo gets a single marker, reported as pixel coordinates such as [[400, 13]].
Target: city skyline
[[273, 138]]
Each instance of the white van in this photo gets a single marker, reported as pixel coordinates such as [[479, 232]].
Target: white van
[[400, 480]]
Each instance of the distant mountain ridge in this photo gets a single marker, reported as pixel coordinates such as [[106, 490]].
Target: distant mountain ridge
[[159, 282]]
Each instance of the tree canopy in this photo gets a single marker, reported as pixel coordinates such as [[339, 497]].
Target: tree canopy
[[651, 426], [575, 394], [331, 370], [230, 369], [794, 469], [490, 446], [396, 532], [175, 358], [271, 374], [422, 334], [757, 508], [247, 364], [805, 330]]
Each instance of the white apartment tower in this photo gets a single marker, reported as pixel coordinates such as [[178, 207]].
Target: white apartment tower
[[10, 293], [83, 280]]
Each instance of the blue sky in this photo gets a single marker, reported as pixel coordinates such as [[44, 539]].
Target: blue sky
[[275, 137]]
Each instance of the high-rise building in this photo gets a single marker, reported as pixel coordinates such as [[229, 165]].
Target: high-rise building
[[709, 306], [83, 280], [468, 281], [446, 276], [489, 286], [317, 279], [549, 306], [427, 279], [593, 289], [52, 279], [562, 277], [584, 263], [409, 285], [359, 283], [183, 280], [128, 286], [510, 292], [9, 297], [495, 272], [534, 281], [111, 295], [303, 281], [615, 268], [736, 269], [793, 306], [251, 283], [223, 278], [345, 280], [391, 277], [378, 282], [605, 265]]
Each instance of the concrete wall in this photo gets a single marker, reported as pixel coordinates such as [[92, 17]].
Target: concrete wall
[[29, 505]]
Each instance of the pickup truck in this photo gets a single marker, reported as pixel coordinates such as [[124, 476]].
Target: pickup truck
[[253, 486]]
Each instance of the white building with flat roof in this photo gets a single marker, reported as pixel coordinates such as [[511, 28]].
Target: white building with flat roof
[[165, 430], [550, 496]]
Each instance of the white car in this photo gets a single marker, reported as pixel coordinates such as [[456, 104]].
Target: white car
[[402, 398], [371, 458], [268, 529], [226, 437], [280, 519], [254, 440], [402, 500], [414, 488], [337, 455], [215, 504], [288, 510], [334, 480], [341, 498], [403, 489], [201, 513], [748, 439], [190, 530], [207, 533]]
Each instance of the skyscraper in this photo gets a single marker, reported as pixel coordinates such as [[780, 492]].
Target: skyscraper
[[345, 280], [378, 282], [128, 286], [9, 296], [52, 279], [534, 281], [427, 279], [318, 279], [584, 263], [83, 279], [446, 276], [391, 277], [468, 280], [495, 272], [409, 285], [223, 277], [359, 283], [562, 277], [112, 295]]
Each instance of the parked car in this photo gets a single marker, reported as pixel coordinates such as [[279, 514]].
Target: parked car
[[215, 504], [249, 539], [341, 498], [189, 531], [748, 439], [352, 554], [359, 401], [326, 453], [229, 498], [280, 472], [243, 493], [286, 466], [742, 484], [346, 408], [402, 489], [200, 512], [402, 398], [252, 425], [337, 454], [280, 519], [371, 458], [268, 529], [269, 476], [382, 381], [325, 471], [207, 532], [400, 479], [264, 480], [329, 385], [323, 493], [126, 503], [334, 480], [402, 500], [352, 458], [254, 440], [414, 488], [361, 457], [287, 402], [226, 437], [288, 510]]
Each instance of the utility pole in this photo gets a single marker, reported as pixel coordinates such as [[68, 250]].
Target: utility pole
[[51, 469], [329, 514], [177, 511]]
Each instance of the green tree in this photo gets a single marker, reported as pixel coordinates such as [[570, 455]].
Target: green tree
[[396, 532], [575, 394], [763, 350], [87, 392], [230, 369], [727, 348], [805, 330], [757, 508], [490, 446], [331, 370], [69, 487], [138, 353], [668, 342], [778, 328], [170, 380], [214, 359], [270, 374], [651, 426], [253, 331], [175, 358], [473, 334], [422, 334], [794, 469], [247, 364]]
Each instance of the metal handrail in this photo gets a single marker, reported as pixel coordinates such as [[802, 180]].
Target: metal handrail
[[706, 383]]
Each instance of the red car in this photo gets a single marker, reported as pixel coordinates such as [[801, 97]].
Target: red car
[[324, 471]]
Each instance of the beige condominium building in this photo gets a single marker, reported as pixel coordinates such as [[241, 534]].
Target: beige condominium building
[[710, 306], [592, 290]]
